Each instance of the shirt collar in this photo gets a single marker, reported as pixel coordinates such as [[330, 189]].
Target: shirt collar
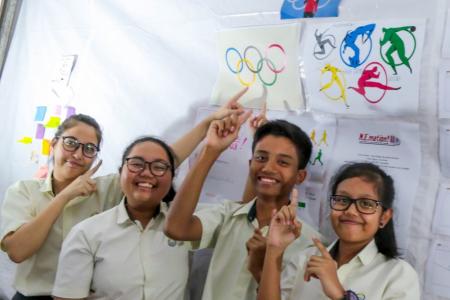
[[123, 217], [46, 185], [248, 209], [365, 256]]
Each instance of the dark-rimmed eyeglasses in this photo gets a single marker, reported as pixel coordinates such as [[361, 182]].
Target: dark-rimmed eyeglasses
[[363, 205], [137, 165], [71, 144]]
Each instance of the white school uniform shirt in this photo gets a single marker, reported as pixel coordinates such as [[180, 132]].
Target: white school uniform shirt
[[226, 228], [25, 199], [369, 274], [111, 257]]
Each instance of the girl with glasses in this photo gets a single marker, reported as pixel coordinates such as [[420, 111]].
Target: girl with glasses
[[37, 215], [361, 264]]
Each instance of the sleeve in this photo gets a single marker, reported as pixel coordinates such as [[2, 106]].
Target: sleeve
[[212, 219], [17, 209], [404, 284], [292, 272], [109, 191], [75, 266]]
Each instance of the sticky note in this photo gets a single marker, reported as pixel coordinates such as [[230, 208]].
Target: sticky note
[[40, 113], [40, 131], [45, 147], [26, 140], [58, 110], [70, 111], [53, 122]]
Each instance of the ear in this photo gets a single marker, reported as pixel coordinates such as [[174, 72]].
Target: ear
[[386, 216], [53, 143], [249, 162], [301, 176]]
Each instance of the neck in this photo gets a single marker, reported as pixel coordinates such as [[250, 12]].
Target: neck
[[59, 184], [143, 215], [347, 251], [265, 207]]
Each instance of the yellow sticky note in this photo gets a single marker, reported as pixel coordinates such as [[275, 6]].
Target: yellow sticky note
[[45, 147], [26, 140], [53, 122]]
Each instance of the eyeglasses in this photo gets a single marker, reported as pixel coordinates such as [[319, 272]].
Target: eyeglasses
[[71, 144], [363, 205], [137, 165]]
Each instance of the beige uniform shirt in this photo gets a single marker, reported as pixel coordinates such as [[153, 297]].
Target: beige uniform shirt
[[25, 199], [227, 228], [369, 274], [111, 257]]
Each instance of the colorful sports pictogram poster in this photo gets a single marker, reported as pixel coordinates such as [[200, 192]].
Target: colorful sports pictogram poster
[[263, 58], [294, 9], [367, 68]]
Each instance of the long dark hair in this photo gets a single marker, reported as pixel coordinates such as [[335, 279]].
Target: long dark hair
[[171, 193], [385, 237]]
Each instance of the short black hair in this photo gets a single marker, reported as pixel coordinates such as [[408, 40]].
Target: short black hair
[[292, 132], [385, 237], [170, 154]]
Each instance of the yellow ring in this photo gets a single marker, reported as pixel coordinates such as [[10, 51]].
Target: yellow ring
[[238, 65]]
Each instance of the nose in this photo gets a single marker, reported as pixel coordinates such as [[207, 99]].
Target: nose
[[269, 166], [352, 209], [78, 153], [146, 171]]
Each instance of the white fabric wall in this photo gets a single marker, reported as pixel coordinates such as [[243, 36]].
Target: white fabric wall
[[146, 66]]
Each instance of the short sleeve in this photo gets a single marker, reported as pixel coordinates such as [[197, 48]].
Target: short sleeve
[[212, 219], [292, 272], [17, 209], [404, 284], [75, 266]]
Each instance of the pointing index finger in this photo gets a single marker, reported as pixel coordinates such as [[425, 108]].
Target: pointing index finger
[[294, 198], [321, 248], [92, 171], [233, 101]]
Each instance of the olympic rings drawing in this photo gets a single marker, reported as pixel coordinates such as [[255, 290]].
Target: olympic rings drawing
[[301, 7], [243, 60]]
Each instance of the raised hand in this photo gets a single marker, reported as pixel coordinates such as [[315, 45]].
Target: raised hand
[[284, 226], [256, 250], [258, 120], [230, 107], [324, 268], [83, 185]]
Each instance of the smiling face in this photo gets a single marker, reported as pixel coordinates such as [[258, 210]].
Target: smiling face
[[352, 226], [69, 165], [274, 167], [144, 190]]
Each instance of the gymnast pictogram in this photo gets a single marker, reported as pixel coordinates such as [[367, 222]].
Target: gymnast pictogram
[[323, 139], [322, 40], [255, 68], [391, 36], [337, 79], [318, 158], [312, 137], [371, 71], [351, 41]]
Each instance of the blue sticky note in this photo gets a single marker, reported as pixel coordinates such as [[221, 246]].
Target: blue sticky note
[[40, 113], [294, 9]]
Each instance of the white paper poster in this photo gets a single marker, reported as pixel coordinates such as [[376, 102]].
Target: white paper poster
[[444, 89], [395, 147], [368, 68], [263, 58], [437, 279], [441, 221], [444, 149], [446, 43], [309, 203]]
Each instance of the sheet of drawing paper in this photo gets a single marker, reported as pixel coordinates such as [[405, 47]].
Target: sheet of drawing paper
[[228, 175], [365, 68], [446, 42], [309, 203], [437, 279], [441, 221], [294, 9], [395, 147], [263, 58], [444, 89], [444, 149]]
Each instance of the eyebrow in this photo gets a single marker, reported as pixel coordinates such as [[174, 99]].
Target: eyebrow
[[277, 154]]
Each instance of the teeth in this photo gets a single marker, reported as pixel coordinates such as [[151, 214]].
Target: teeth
[[145, 185], [267, 180]]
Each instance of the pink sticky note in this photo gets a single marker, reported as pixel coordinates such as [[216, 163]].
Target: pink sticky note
[[70, 111], [40, 131]]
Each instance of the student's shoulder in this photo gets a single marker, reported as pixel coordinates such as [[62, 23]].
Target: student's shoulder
[[98, 223]]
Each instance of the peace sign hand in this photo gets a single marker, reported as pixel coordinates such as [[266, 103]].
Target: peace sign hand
[[284, 226], [324, 268], [83, 185]]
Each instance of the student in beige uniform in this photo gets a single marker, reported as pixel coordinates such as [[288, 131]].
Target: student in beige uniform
[[123, 254], [37, 215], [281, 151], [362, 264]]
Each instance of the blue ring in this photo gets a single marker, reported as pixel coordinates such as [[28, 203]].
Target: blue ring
[[228, 63]]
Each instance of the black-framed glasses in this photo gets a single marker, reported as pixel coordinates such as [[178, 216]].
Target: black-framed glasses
[[71, 144], [137, 165], [363, 205]]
